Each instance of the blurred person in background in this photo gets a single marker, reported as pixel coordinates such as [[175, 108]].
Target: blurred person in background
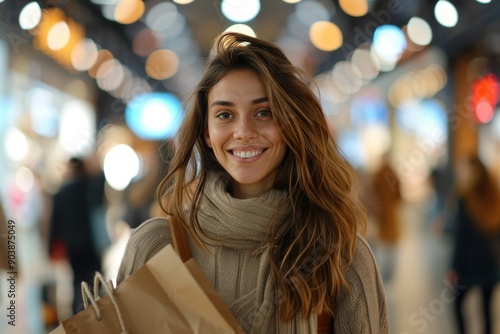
[[385, 214], [75, 208], [476, 251]]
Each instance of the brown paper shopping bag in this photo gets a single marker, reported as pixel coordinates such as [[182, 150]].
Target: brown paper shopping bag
[[164, 296]]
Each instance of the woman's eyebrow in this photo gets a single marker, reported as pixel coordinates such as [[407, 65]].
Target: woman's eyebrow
[[229, 104], [221, 103], [260, 100]]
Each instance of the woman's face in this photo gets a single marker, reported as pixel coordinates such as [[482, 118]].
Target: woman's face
[[242, 133]]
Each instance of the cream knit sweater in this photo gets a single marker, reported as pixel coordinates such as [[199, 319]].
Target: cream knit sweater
[[241, 277]]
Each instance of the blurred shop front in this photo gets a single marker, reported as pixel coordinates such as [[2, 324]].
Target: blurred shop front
[[401, 115], [47, 115], [434, 108], [476, 122]]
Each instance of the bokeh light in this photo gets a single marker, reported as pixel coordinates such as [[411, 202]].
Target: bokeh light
[[84, 55], [162, 64], [129, 11], [121, 165], [58, 36], [154, 116], [242, 29], [354, 7], [15, 144], [325, 35], [240, 10], [30, 16], [419, 31], [24, 179], [446, 13]]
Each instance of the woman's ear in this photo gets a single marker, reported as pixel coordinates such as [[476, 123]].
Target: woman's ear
[[207, 138]]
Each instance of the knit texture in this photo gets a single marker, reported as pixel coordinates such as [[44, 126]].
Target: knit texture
[[243, 277]]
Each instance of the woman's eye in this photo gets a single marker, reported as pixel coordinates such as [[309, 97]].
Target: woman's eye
[[223, 115], [264, 113]]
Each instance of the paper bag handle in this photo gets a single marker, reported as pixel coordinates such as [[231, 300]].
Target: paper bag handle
[[179, 239], [87, 295]]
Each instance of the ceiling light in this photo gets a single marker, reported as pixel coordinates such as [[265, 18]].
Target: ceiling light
[[325, 35], [354, 7], [446, 13], [242, 29], [30, 16], [419, 31], [240, 10]]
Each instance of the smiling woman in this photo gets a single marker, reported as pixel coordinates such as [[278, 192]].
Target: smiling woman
[[242, 133], [267, 200]]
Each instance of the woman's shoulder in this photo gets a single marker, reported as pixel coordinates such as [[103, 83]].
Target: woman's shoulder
[[152, 227], [364, 266], [363, 254], [365, 298], [144, 242]]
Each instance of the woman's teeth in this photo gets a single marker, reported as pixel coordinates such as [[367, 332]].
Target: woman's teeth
[[247, 154]]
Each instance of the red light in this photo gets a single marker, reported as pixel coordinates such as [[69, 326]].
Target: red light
[[484, 111], [484, 97]]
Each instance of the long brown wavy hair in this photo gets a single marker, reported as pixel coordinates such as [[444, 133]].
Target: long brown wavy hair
[[311, 248]]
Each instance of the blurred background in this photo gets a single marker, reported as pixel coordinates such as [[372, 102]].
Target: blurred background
[[91, 96]]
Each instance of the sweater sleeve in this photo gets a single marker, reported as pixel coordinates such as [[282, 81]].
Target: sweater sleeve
[[363, 309], [145, 241]]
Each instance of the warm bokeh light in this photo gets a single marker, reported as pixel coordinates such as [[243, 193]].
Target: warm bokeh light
[[354, 7], [24, 179], [240, 10], [419, 31], [110, 75], [291, 1], [30, 16], [242, 29], [102, 56], [57, 35], [446, 13], [346, 77], [329, 92], [162, 64], [50, 17], [326, 36], [368, 66], [183, 2], [121, 165], [376, 139], [419, 84], [129, 11], [84, 55]]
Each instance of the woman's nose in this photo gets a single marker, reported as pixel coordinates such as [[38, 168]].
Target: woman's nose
[[245, 129]]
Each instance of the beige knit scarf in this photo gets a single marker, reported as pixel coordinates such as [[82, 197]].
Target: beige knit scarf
[[245, 224]]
